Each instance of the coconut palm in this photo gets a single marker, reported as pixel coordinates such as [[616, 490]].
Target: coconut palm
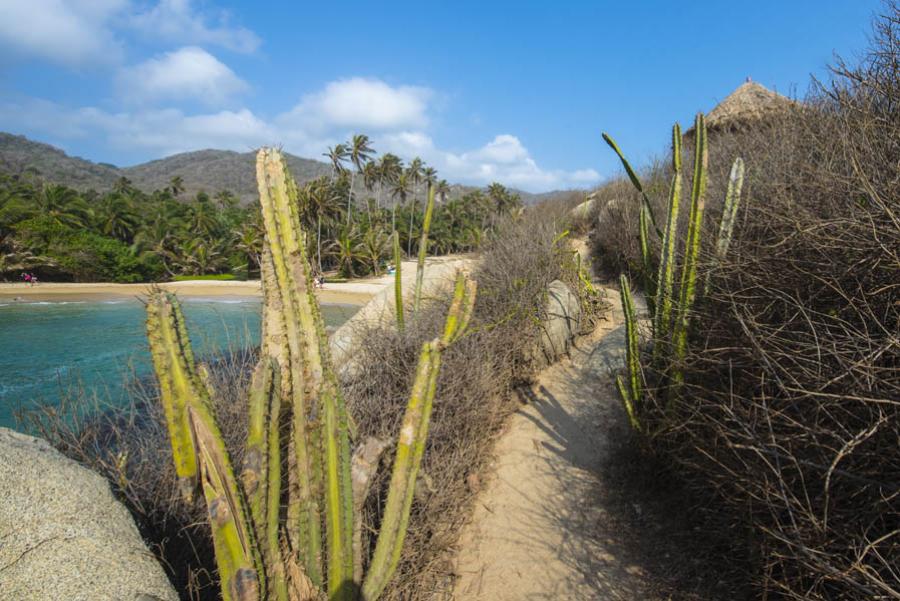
[[337, 155], [442, 191], [345, 250], [176, 185], [373, 248], [323, 202], [399, 187], [115, 216], [63, 205], [359, 152], [248, 239], [414, 172]]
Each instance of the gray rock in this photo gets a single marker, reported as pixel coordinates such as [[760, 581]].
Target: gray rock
[[63, 535], [562, 323]]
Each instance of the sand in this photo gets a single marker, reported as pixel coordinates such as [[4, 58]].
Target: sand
[[356, 292], [352, 293]]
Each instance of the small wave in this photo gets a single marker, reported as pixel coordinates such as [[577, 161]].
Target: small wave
[[44, 303]]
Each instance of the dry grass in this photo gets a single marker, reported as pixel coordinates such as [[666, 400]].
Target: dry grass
[[789, 419], [130, 446]]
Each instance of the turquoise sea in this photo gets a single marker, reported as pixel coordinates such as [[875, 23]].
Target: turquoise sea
[[50, 349]]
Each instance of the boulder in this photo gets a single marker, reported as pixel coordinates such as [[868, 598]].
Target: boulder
[[63, 535], [562, 323]]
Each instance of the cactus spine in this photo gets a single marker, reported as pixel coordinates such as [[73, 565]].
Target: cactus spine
[[261, 556], [423, 248]]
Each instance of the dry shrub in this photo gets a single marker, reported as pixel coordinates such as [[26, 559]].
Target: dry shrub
[[789, 418], [474, 393], [130, 446]]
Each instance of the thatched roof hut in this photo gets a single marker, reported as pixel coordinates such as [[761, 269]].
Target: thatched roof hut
[[748, 104]]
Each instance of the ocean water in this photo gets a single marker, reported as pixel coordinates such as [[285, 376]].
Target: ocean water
[[48, 350]]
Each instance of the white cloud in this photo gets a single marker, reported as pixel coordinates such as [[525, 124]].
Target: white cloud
[[363, 104], [178, 21], [188, 73], [74, 33], [80, 33], [307, 132]]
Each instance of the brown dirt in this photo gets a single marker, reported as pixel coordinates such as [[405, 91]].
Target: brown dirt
[[543, 528]]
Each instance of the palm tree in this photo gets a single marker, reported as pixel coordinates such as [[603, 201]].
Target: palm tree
[[414, 172], [400, 187], [337, 155], [442, 190], [203, 218], [323, 201], [373, 248], [63, 205], [345, 249], [248, 239], [176, 185], [360, 151], [115, 216]]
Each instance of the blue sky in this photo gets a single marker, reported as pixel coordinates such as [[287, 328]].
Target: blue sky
[[516, 92]]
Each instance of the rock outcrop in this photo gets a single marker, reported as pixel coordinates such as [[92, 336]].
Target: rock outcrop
[[562, 324], [63, 535]]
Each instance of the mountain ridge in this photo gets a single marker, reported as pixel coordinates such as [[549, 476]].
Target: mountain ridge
[[209, 170]]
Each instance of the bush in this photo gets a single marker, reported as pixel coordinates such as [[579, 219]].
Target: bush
[[221, 277], [130, 446], [788, 420]]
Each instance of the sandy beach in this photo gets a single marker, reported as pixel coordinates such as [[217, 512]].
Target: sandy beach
[[356, 292], [351, 293]]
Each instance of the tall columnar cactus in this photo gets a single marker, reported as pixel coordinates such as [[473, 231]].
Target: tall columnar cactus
[[398, 284], [423, 248], [316, 548], [665, 279], [691, 244], [671, 318], [630, 392]]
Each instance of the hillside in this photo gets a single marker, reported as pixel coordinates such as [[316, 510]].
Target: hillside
[[209, 170]]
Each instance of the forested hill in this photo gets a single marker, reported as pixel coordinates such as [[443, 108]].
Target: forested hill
[[207, 170]]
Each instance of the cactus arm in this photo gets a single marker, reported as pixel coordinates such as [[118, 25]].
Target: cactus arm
[[231, 530], [666, 276], [398, 284], [254, 470], [692, 244], [365, 461], [626, 402], [635, 180], [729, 213], [411, 443], [646, 261], [423, 248], [403, 477], [632, 350]]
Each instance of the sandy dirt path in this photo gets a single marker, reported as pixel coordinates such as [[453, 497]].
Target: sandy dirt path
[[539, 530]]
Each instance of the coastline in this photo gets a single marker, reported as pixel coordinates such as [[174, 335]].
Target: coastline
[[349, 293], [357, 292]]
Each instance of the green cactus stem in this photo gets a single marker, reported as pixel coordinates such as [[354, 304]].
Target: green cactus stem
[[423, 248], [692, 244], [635, 181], [632, 393], [665, 279], [398, 283], [411, 443]]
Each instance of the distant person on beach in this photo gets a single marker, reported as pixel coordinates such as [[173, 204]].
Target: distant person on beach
[[26, 277]]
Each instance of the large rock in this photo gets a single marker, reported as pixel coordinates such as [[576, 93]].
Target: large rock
[[562, 323], [64, 536]]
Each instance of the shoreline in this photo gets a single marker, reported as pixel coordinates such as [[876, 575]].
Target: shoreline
[[357, 292], [349, 293]]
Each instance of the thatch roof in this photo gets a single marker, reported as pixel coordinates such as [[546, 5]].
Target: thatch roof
[[748, 103]]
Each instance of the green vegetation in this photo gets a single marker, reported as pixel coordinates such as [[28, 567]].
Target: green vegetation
[[126, 235], [259, 555]]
